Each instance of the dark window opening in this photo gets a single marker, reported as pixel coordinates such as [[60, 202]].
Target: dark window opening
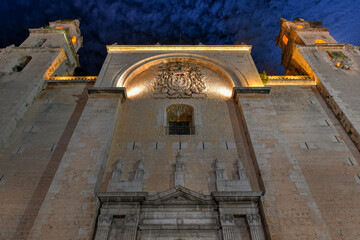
[[40, 42], [179, 128], [180, 120], [22, 62]]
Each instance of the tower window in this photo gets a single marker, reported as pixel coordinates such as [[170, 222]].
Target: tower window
[[73, 40], [285, 39], [320, 41], [336, 55], [40, 42], [180, 119], [22, 62]]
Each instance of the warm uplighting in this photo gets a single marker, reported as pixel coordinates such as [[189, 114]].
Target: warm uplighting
[[118, 48], [135, 91], [73, 78], [285, 39], [290, 80], [225, 92], [59, 27], [320, 41], [338, 64], [73, 40], [299, 26]]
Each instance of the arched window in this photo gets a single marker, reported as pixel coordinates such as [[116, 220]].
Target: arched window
[[179, 119]]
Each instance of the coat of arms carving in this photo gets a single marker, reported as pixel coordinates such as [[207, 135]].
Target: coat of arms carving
[[179, 80]]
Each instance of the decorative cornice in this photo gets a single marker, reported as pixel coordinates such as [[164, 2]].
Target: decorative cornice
[[169, 48], [241, 90], [192, 196], [237, 196], [122, 196], [108, 90], [72, 79]]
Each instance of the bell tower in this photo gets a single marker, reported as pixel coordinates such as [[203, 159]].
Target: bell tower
[[300, 33], [63, 34]]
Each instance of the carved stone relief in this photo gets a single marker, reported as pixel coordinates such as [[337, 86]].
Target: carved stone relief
[[179, 80], [118, 185], [222, 184]]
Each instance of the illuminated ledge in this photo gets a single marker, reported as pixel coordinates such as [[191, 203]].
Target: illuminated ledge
[[287, 77], [72, 79], [290, 80], [311, 29], [330, 46], [121, 48], [323, 46], [242, 90], [108, 90]]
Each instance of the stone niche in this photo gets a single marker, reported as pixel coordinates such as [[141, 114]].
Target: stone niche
[[179, 213]]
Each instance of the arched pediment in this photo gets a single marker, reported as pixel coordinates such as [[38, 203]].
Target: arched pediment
[[125, 75]]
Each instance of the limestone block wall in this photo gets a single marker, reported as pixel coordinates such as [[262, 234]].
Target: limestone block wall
[[19, 89], [308, 164], [52, 40], [70, 205], [141, 134], [33, 152], [339, 87]]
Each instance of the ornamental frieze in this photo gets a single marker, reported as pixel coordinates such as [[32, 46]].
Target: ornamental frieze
[[179, 80]]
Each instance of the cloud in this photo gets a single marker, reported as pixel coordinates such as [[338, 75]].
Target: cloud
[[254, 22]]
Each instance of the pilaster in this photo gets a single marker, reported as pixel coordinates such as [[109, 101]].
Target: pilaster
[[256, 230], [228, 226], [103, 226]]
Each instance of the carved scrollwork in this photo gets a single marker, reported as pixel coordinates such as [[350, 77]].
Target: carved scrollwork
[[227, 219], [179, 80], [253, 219], [131, 219], [105, 219]]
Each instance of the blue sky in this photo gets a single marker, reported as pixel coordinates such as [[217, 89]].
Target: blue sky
[[253, 22]]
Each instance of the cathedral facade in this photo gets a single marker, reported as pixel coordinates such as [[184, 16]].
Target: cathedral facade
[[180, 142]]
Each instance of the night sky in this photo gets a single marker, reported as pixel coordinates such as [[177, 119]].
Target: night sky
[[105, 22]]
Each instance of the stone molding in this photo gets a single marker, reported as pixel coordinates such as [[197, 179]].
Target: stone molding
[[108, 90], [242, 90]]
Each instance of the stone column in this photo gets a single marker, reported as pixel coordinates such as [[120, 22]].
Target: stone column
[[131, 225], [228, 226], [256, 229], [103, 227]]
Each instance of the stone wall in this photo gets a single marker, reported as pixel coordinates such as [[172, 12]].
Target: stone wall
[[307, 163], [32, 155]]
